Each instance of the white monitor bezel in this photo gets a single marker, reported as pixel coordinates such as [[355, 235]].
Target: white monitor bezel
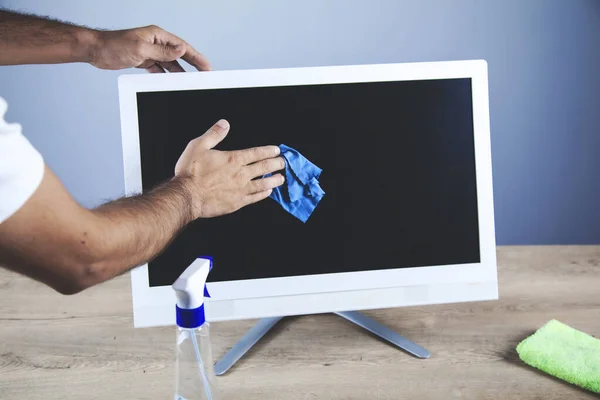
[[154, 306]]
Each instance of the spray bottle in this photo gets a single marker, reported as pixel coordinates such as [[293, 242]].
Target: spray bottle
[[194, 373]]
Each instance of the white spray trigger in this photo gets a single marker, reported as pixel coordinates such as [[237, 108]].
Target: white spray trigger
[[190, 287]]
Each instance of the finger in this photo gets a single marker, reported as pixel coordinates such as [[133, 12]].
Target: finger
[[189, 55], [214, 135], [159, 52], [199, 61], [172, 66], [256, 197], [265, 167], [155, 69], [260, 185], [252, 155]]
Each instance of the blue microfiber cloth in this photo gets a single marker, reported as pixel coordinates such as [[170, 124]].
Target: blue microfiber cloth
[[564, 352], [301, 193]]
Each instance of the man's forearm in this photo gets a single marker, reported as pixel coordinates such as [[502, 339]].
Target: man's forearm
[[28, 39], [134, 230], [56, 241]]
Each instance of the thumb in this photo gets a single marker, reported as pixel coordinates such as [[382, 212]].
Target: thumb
[[164, 53], [214, 135]]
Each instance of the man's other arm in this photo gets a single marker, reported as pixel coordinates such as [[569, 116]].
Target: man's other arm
[[31, 39]]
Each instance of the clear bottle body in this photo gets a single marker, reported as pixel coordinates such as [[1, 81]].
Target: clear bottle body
[[194, 371]]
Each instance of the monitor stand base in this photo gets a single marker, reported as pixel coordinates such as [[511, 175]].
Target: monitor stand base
[[264, 325]]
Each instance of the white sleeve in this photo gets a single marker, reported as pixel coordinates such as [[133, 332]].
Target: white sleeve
[[21, 167]]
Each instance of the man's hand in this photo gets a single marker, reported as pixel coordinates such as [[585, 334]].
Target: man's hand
[[221, 182], [150, 47]]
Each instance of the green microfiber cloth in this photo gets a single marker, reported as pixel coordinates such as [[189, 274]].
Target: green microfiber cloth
[[565, 353]]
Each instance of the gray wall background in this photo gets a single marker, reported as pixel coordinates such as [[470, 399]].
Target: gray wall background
[[544, 66]]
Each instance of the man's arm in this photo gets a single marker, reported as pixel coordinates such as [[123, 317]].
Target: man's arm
[[56, 241], [29, 39]]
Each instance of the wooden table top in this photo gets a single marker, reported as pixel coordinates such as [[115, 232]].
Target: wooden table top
[[85, 346]]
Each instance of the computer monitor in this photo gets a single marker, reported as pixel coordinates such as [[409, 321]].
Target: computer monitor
[[407, 217]]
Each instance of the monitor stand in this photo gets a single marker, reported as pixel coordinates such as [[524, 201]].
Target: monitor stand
[[264, 325]]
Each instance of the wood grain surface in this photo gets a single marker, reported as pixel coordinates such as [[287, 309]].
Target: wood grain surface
[[85, 346]]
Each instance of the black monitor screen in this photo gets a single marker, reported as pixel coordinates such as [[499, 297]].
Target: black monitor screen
[[398, 171]]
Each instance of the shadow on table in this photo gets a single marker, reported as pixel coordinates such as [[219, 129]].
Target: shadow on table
[[259, 346]]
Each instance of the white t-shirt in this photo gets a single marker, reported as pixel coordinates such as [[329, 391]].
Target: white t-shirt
[[21, 167]]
